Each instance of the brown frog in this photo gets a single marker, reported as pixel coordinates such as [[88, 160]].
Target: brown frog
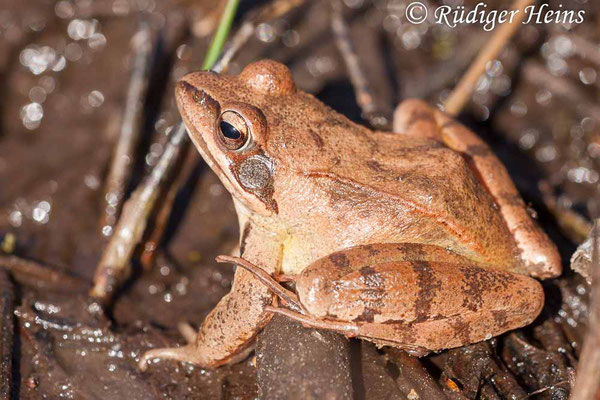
[[416, 239]]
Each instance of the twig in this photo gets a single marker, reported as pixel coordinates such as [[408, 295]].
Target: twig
[[473, 365], [587, 383], [377, 380], [545, 389], [536, 74], [7, 332], [273, 10], [130, 131], [161, 220], [535, 367], [582, 259], [575, 226], [362, 88], [423, 84], [462, 92], [33, 274], [114, 267], [412, 376], [550, 336]]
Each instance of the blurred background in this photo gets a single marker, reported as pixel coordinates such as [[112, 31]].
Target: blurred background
[[77, 75]]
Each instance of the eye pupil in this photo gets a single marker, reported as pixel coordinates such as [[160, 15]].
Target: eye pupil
[[230, 131]]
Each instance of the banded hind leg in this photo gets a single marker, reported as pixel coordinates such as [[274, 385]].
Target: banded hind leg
[[415, 297], [539, 255]]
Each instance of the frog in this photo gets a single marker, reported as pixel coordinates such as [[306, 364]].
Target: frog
[[415, 238]]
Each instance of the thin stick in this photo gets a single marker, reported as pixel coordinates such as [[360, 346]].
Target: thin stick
[[130, 131], [113, 268], [31, 273], [587, 383], [462, 92], [575, 226], [270, 11], [536, 74], [582, 259], [362, 87], [164, 213]]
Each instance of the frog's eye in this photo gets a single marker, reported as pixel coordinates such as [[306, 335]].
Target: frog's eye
[[233, 131]]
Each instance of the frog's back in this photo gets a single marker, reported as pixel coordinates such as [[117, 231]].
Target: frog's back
[[421, 188]]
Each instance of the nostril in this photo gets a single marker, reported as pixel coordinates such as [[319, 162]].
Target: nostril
[[186, 86], [197, 95]]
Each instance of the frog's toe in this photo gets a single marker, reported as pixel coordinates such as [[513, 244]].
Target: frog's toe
[[184, 354], [187, 331]]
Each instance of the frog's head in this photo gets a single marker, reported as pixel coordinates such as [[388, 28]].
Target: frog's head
[[224, 120]]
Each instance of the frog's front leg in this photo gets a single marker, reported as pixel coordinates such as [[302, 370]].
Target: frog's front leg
[[229, 329], [413, 297]]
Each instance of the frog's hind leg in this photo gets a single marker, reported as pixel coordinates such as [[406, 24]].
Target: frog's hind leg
[[540, 257], [420, 303]]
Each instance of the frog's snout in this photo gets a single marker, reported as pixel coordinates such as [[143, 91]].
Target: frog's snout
[[195, 104], [197, 95]]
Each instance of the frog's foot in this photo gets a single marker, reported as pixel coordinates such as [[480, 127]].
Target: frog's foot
[[184, 353], [187, 331], [188, 353], [286, 295]]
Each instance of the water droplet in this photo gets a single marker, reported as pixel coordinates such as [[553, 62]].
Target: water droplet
[[79, 29], [546, 153], [557, 66], [518, 108], [410, 39], [97, 41], [48, 83], [37, 94], [73, 52], [587, 75], [91, 181], [31, 115], [291, 38], [265, 32], [64, 9], [563, 46], [95, 98], [16, 218], [60, 64], [543, 97], [494, 68]]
